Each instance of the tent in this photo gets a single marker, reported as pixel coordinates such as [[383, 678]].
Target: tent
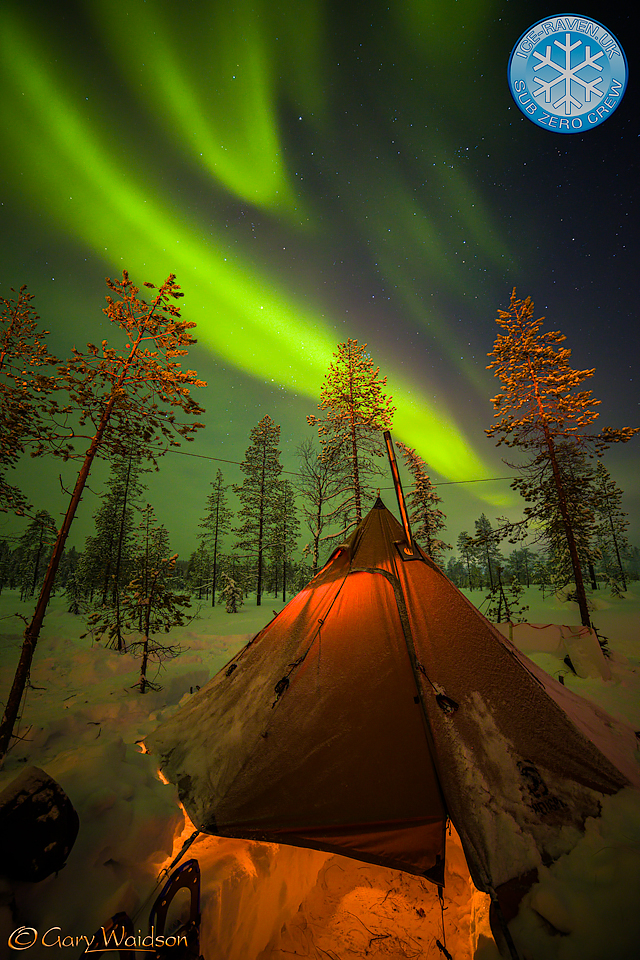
[[378, 703]]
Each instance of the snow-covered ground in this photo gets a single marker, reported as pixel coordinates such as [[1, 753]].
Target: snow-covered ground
[[82, 722]]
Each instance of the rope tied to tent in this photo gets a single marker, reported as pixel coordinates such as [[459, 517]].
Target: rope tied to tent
[[442, 946], [447, 704]]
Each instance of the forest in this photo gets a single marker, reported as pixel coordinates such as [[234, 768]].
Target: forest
[[268, 533]]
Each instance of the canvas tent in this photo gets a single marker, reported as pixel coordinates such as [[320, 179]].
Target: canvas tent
[[378, 703]]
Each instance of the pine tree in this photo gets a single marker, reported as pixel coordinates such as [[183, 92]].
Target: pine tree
[[286, 530], [258, 493], [107, 555], [139, 391], [504, 600], [215, 525], [456, 571], [426, 519], [466, 548], [232, 594], [148, 606], [152, 603], [576, 472], [25, 390], [521, 564], [542, 403], [34, 548], [356, 412], [199, 571], [485, 548], [611, 524]]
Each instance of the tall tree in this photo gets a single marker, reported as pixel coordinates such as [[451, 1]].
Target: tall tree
[[576, 471], [107, 555], [258, 494], [521, 564], [199, 571], [25, 389], [140, 389], [356, 412], [286, 530], [485, 547], [542, 403], [319, 481], [465, 546], [215, 525], [34, 550], [427, 520], [611, 524]]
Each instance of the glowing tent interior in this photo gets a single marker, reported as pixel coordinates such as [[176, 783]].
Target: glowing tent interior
[[378, 703]]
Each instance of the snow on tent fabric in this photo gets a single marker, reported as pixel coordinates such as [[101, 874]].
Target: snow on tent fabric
[[378, 703]]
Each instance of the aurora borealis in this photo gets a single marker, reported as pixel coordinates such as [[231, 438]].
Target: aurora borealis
[[311, 172]]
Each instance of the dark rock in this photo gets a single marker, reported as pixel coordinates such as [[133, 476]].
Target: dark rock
[[38, 826]]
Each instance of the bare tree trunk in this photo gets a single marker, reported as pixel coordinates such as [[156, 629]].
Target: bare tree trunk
[[32, 633], [581, 594]]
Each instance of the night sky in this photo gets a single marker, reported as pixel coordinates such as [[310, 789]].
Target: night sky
[[313, 171]]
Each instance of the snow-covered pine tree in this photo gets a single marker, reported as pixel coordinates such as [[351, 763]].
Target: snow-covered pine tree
[[140, 389], [425, 516], [215, 524], [485, 547], [540, 404], [355, 414], [320, 478], [26, 385], [34, 551], [258, 494], [286, 530], [611, 525], [232, 594]]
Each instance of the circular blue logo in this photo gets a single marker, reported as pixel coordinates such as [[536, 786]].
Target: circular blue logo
[[567, 73]]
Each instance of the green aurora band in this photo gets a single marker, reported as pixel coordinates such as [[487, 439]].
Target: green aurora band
[[78, 164]]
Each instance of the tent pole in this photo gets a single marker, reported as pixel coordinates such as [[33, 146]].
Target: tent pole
[[399, 494], [495, 903]]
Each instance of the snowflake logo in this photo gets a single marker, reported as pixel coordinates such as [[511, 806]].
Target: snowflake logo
[[567, 73]]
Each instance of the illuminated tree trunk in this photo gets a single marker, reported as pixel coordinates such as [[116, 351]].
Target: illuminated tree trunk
[[32, 632], [581, 594], [97, 383]]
